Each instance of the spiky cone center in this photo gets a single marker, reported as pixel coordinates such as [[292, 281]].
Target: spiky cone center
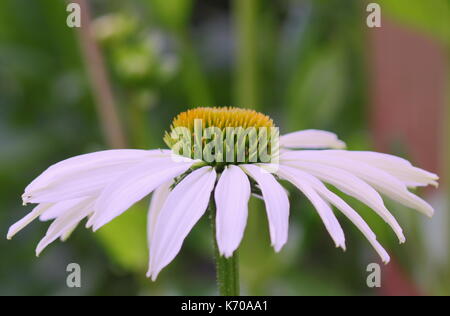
[[225, 135]]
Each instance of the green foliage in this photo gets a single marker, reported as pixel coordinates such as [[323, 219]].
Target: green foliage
[[173, 14], [432, 17], [125, 239], [317, 92]]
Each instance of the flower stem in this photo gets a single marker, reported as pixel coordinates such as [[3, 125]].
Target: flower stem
[[227, 269]]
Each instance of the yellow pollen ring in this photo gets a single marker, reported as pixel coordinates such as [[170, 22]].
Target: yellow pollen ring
[[222, 117]]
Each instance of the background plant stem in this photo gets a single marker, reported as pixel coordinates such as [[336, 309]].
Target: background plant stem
[[245, 16], [98, 77]]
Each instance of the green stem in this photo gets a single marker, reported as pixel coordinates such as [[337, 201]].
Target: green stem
[[227, 269]]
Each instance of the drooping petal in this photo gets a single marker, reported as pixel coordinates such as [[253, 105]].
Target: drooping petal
[[133, 186], [398, 167], [185, 205], [58, 209], [323, 209], [346, 209], [45, 212], [351, 185], [157, 202], [83, 175], [276, 201], [356, 219], [311, 139], [64, 224], [69, 232], [78, 185], [231, 195], [35, 213], [379, 179]]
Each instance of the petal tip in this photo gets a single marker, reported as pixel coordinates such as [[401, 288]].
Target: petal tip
[[154, 276], [26, 197], [96, 224], [340, 145], [227, 254], [12, 231], [40, 247], [278, 247]]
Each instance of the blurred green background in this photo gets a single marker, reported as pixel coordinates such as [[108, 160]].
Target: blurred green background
[[306, 63]]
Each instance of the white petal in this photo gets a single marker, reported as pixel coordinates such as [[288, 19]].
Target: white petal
[[311, 139], [357, 220], [35, 213], [325, 212], [231, 195], [133, 186], [57, 209], [353, 186], [348, 211], [78, 185], [65, 223], [69, 232], [277, 204], [157, 202], [184, 206], [398, 167], [83, 175], [381, 180]]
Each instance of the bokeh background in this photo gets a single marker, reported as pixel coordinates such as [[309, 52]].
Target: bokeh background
[[119, 79]]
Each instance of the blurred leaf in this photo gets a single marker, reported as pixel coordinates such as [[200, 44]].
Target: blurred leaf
[[173, 14], [113, 27], [317, 90], [125, 238], [135, 62]]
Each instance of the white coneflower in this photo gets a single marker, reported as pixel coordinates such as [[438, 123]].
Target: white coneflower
[[103, 185]]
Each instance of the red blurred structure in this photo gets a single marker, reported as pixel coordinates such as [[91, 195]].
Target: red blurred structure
[[408, 97]]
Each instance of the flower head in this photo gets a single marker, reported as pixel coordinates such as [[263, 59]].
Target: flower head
[[224, 162]]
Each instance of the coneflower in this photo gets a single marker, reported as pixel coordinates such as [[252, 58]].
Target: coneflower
[[220, 157]]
